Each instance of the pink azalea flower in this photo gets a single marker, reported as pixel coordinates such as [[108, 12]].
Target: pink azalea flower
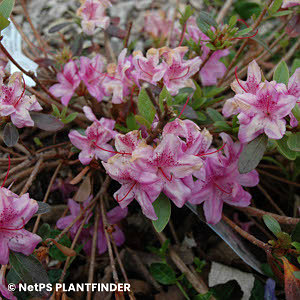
[[91, 74], [68, 83], [213, 69], [15, 212], [253, 82], [120, 78], [114, 216], [95, 143], [65, 187], [171, 164], [142, 185], [93, 16], [3, 286], [14, 102], [223, 182], [179, 70], [290, 3], [75, 210], [109, 124], [149, 68], [294, 85], [157, 24], [264, 113]]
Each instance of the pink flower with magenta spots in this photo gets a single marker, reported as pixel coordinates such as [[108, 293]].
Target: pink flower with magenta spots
[[222, 182], [14, 102], [15, 212]]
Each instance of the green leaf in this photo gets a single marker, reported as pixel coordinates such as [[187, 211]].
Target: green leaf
[[211, 46], [295, 65], [272, 224], [206, 296], [281, 74], [252, 154], [296, 245], [142, 121], [164, 95], [162, 207], [6, 7], [54, 252], [246, 9], [258, 290], [276, 5], [131, 122], [203, 26], [243, 32], [56, 111], [163, 273], [296, 233], [232, 21], [294, 141], [296, 112], [213, 92], [145, 106], [284, 149], [282, 13], [208, 19], [222, 126], [214, 115], [44, 231], [297, 274], [3, 22], [71, 117], [30, 270]]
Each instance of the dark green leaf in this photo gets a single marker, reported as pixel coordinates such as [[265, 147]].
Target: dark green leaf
[[131, 122], [162, 207], [282, 13], [214, 115], [296, 233], [281, 74], [246, 9], [222, 126], [54, 252], [163, 273], [297, 274], [207, 18], [56, 111], [188, 111], [294, 141], [30, 270], [203, 26], [284, 149], [252, 154], [213, 92], [10, 135], [164, 95], [13, 277], [145, 106], [272, 224], [44, 231], [58, 27], [258, 290]]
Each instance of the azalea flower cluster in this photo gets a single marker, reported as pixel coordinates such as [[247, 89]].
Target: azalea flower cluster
[[114, 216], [263, 106], [14, 103], [160, 66], [93, 15], [183, 166]]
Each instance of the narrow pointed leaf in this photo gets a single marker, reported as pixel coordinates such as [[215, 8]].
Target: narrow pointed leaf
[[10, 135], [162, 207]]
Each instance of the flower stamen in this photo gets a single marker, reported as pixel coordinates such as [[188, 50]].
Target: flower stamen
[[204, 154], [23, 92], [235, 72], [187, 101], [222, 190], [117, 197], [138, 62], [169, 179], [110, 151]]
